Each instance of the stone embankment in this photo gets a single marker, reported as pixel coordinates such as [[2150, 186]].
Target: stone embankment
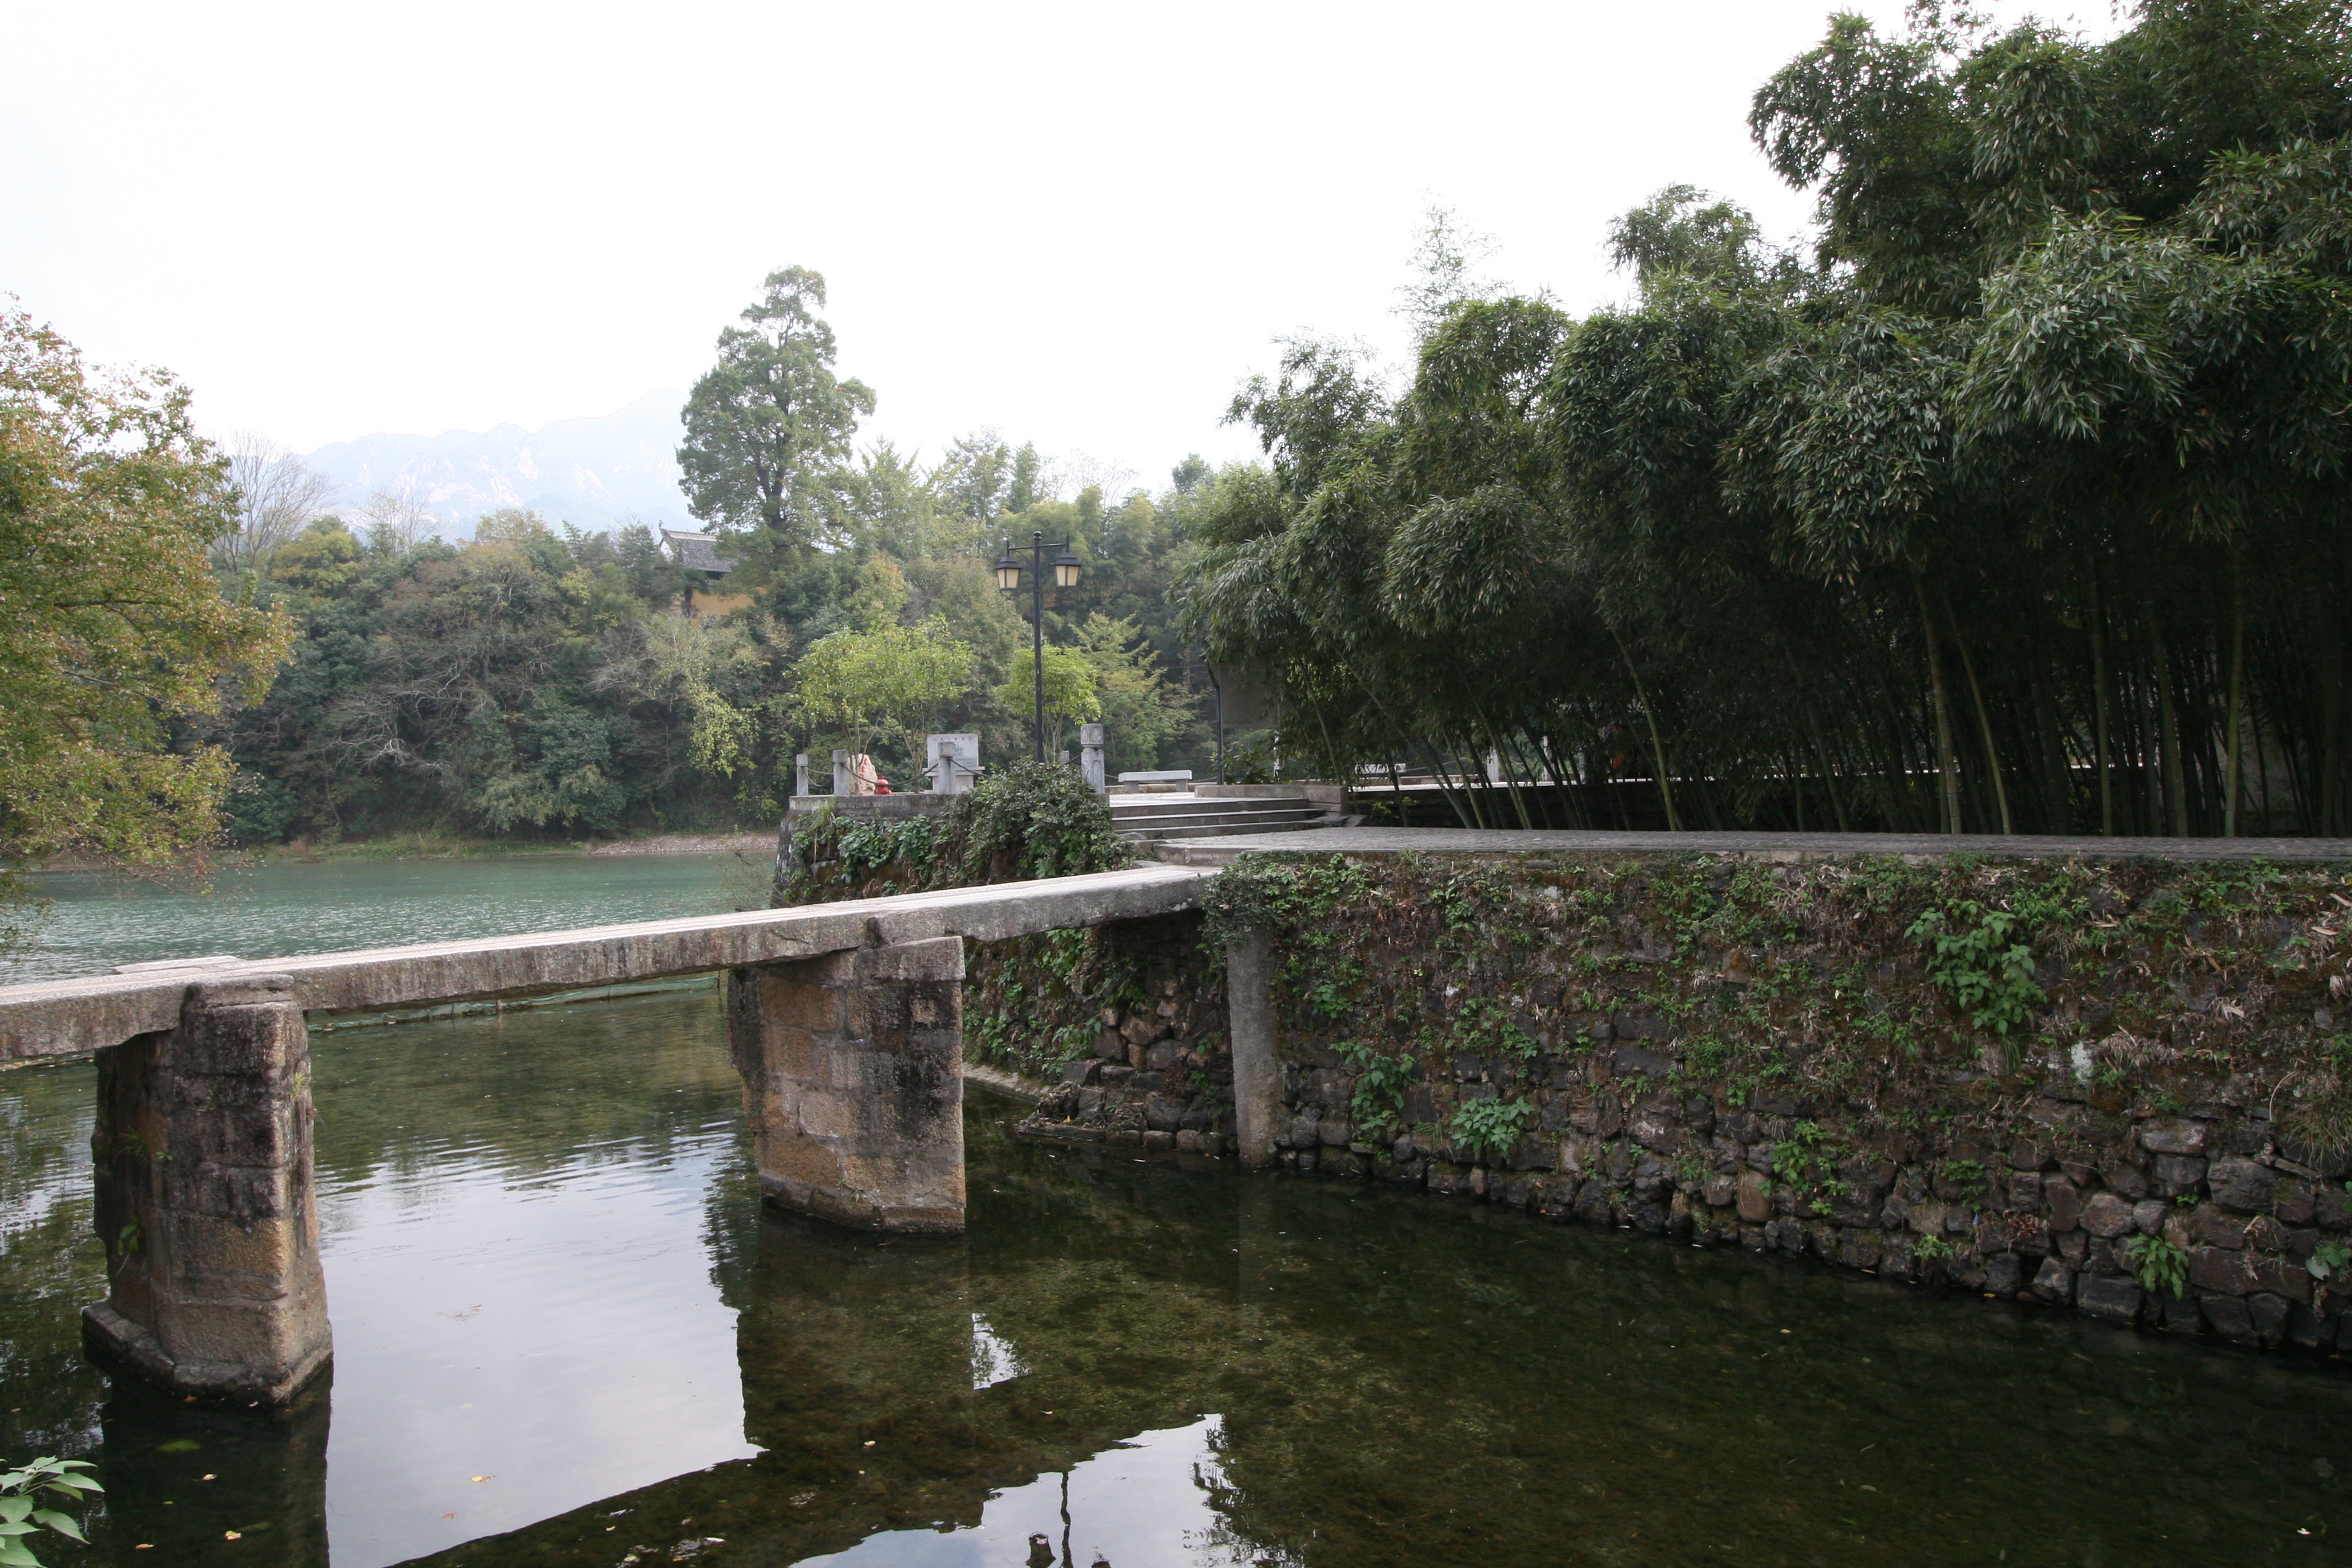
[[1132, 1050], [2116, 1089]]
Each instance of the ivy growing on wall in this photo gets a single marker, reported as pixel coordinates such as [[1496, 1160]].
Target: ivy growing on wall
[[1454, 992]]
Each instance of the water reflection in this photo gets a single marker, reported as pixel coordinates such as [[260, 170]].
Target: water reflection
[[548, 1269], [1151, 1502], [525, 1318]]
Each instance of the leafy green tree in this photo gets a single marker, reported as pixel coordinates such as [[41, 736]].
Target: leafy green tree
[[889, 680], [114, 636], [1140, 710], [1073, 694], [765, 425]]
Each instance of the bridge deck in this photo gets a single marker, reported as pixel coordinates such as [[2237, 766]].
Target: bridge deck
[[66, 1017]]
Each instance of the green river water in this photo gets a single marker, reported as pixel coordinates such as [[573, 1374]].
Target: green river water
[[567, 1333]]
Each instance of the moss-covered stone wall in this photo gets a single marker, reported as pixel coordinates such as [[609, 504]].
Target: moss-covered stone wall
[[1123, 1025], [2117, 1087]]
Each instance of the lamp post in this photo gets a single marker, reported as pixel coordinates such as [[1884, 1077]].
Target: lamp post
[[1066, 575]]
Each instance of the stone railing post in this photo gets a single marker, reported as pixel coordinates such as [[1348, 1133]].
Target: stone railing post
[[800, 773], [853, 1082], [204, 1199], [1257, 1081], [841, 782]]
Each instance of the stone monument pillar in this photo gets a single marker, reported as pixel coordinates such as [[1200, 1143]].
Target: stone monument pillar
[[954, 762], [853, 1082], [204, 1200], [1090, 757]]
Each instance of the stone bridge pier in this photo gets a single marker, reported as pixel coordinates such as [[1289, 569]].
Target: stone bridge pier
[[204, 1201], [853, 1082]]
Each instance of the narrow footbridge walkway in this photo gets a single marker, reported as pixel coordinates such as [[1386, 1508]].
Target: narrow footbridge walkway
[[68, 1017], [845, 1020]]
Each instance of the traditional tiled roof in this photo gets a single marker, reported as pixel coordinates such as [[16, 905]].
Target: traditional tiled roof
[[697, 552]]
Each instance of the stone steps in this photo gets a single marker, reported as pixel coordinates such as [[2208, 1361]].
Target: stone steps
[[1150, 820]]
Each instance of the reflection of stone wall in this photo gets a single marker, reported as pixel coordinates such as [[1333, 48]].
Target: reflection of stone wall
[[1756, 1056]]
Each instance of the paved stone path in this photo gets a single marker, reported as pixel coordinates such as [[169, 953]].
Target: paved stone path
[[1762, 845]]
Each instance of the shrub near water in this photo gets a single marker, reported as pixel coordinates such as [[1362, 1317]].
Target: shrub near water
[[1026, 821]]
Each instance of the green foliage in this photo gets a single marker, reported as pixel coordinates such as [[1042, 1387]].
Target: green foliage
[[765, 425], [1934, 1249], [1976, 960], [1807, 1161], [1280, 892], [2327, 1260], [117, 647], [1071, 697], [1965, 1178], [2160, 1267], [892, 679], [1489, 1127], [1028, 820], [1035, 819], [22, 1516], [1381, 1084], [2003, 510], [1483, 1026]]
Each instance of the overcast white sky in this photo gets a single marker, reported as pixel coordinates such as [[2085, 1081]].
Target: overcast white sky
[[1081, 223]]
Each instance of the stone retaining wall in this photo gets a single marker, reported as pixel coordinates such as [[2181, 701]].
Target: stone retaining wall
[[1126, 1024], [1760, 1056]]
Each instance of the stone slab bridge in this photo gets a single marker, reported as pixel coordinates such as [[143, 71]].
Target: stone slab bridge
[[845, 1020]]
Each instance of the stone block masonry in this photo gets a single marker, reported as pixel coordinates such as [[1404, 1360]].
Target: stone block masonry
[[2147, 1120], [204, 1199], [853, 1082]]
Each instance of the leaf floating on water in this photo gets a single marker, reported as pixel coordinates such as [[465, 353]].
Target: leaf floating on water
[[479, 1477], [232, 1535]]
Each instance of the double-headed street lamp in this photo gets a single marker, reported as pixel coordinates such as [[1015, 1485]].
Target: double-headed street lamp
[[1066, 575]]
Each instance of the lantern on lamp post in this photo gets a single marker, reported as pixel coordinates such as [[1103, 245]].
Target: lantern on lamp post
[[1065, 568]]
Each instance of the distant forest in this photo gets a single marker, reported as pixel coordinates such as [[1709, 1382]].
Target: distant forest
[[539, 680]]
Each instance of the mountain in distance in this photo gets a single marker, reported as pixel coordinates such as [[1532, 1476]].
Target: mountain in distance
[[593, 473]]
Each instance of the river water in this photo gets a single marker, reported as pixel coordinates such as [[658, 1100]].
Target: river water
[[567, 1333]]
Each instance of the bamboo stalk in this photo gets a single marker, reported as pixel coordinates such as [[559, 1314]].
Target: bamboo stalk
[[1984, 721], [2237, 688], [1657, 744], [2099, 698], [1947, 763]]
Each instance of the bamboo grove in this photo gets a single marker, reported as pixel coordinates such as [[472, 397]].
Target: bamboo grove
[[2017, 504]]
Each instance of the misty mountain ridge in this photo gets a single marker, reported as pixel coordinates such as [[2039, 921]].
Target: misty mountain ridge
[[594, 473]]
